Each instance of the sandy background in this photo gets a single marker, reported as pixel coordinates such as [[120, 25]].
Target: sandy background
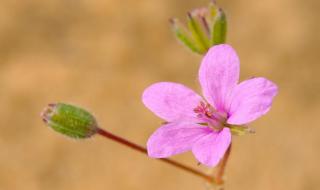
[[102, 54]]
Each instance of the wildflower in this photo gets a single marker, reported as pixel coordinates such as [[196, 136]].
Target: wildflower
[[203, 125]]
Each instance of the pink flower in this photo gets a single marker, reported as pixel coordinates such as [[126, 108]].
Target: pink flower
[[203, 125]]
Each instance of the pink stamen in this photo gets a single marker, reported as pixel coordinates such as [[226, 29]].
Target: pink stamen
[[210, 116]]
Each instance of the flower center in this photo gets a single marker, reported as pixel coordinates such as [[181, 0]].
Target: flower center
[[211, 117]]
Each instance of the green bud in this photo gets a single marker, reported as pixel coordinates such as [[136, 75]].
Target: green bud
[[198, 28], [70, 120], [219, 29], [206, 27], [184, 36]]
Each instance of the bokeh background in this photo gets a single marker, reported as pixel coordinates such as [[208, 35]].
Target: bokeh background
[[101, 54]]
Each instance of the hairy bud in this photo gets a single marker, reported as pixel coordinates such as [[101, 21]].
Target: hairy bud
[[70, 120]]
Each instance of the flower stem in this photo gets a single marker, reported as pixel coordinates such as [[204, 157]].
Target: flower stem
[[222, 166], [143, 150]]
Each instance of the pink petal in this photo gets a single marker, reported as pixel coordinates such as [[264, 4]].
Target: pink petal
[[211, 148], [219, 74], [251, 99], [172, 101], [174, 138]]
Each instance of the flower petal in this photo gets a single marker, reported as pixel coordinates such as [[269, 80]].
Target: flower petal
[[219, 74], [174, 138], [211, 148], [172, 101], [251, 99]]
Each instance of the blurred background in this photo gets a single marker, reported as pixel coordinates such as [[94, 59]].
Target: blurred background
[[101, 54]]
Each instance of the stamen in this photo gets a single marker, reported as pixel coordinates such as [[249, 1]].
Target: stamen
[[210, 116]]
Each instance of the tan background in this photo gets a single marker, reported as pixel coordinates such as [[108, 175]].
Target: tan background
[[101, 54]]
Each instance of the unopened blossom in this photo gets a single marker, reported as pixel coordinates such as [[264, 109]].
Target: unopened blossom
[[202, 125]]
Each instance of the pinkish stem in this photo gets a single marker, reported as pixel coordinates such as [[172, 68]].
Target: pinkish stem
[[222, 166], [143, 150]]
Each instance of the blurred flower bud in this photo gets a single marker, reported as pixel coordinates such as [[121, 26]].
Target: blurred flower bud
[[70, 120], [205, 27]]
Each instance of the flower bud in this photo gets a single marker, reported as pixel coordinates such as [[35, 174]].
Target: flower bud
[[219, 29], [70, 120], [205, 27]]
